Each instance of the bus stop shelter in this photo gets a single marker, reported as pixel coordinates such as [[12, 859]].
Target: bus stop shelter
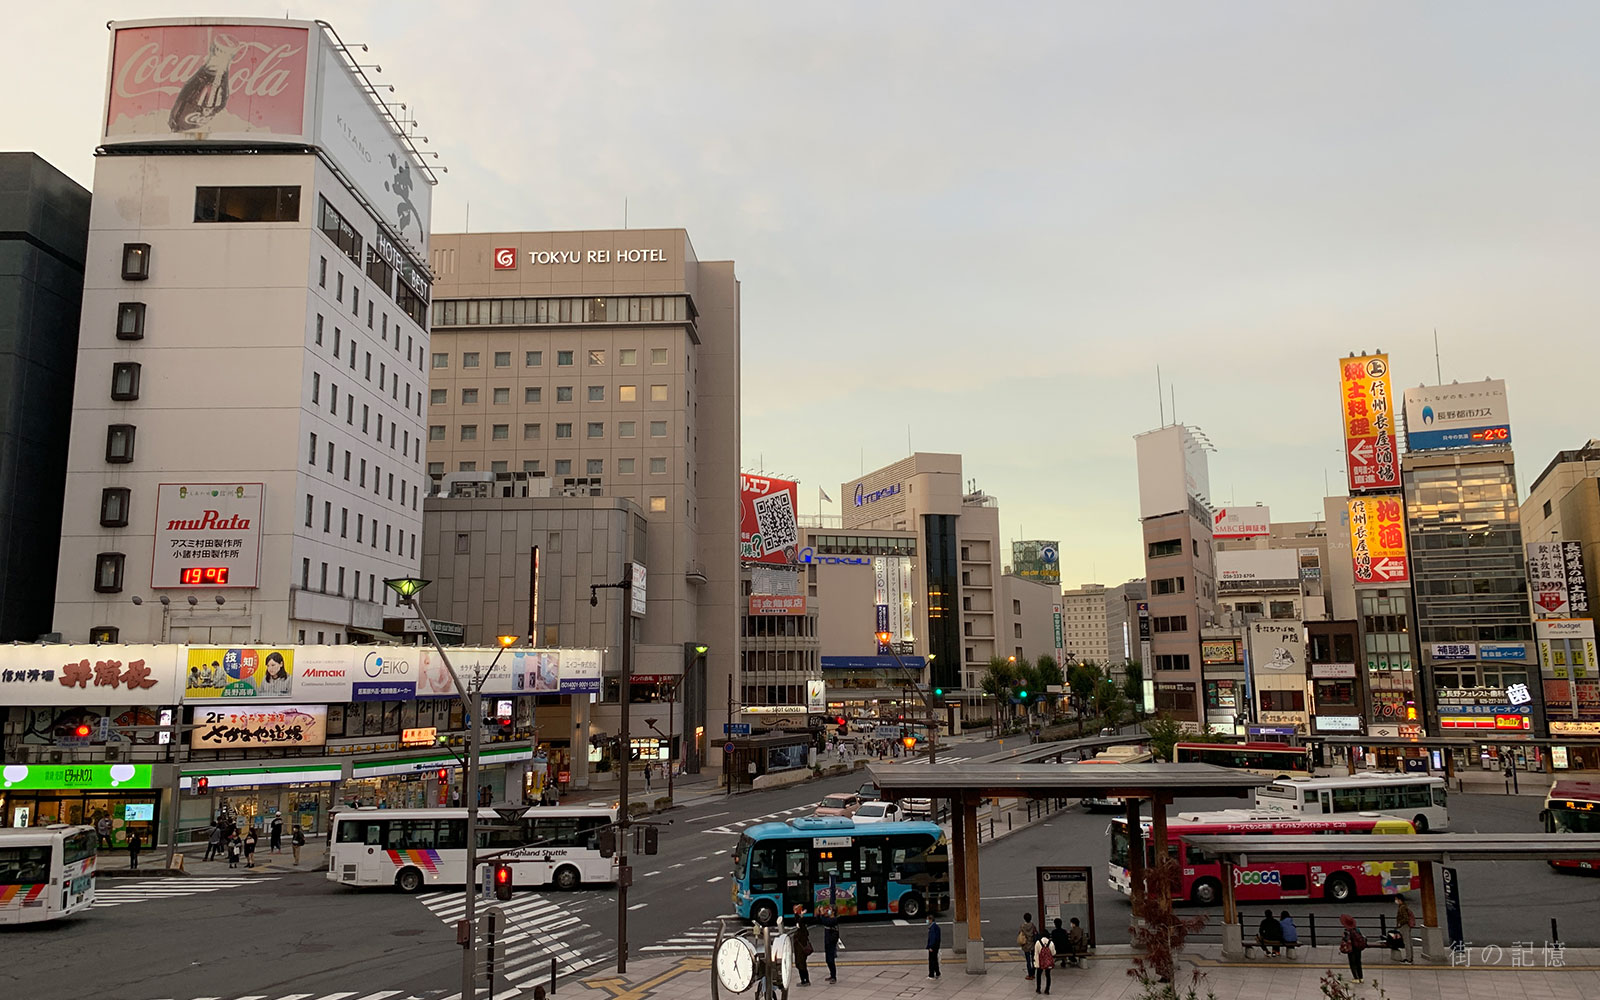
[[967, 784], [1426, 851]]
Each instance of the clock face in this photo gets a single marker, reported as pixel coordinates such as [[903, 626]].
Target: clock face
[[736, 964]]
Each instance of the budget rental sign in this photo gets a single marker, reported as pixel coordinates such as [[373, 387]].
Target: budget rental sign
[[769, 529], [1367, 403]]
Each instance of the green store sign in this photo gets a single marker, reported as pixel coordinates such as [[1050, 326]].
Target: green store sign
[[57, 777]]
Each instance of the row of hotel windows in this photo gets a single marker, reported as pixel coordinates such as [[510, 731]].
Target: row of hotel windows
[[533, 432], [382, 264], [599, 309], [360, 469], [501, 395], [407, 446], [360, 526], [339, 339], [626, 357], [563, 467]]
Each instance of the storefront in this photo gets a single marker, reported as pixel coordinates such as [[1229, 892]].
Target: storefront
[[435, 778], [115, 799], [250, 796]]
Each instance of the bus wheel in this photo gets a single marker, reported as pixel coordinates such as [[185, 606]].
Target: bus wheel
[[911, 906], [1421, 823], [1206, 892], [764, 913], [1339, 888], [409, 880], [567, 878]]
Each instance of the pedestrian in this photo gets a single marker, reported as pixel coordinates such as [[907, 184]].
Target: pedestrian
[[1044, 959], [802, 944], [233, 851], [135, 842], [830, 940], [1291, 933], [297, 840], [1352, 943], [1027, 934], [1269, 935], [214, 842], [1404, 920], [1077, 943], [275, 841], [933, 946], [250, 848], [647, 770], [1059, 944]]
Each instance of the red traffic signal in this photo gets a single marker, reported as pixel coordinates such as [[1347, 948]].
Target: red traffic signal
[[839, 721], [82, 730], [503, 882], [202, 785], [444, 775]]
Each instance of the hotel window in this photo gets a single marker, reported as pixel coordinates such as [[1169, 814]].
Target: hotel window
[[658, 505], [626, 428], [119, 443], [114, 506], [497, 467], [658, 428], [438, 397], [435, 468], [627, 393], [658, 394], [441, 361], [658, 466], [338, 287], [563, 393], [628, 356], [130, 321], [563, 468], [502, 359], [658, 355], [597, 358], [531, 467], [532, 394], [530, 432], [322, 273], [500, 432], [595, 466], [469, 432], [436, 432], [343, 235], [563, 430], [625, 466], [135, 261], [597, 429], [463, 467], [469, 397], [125, 380], [247, 204], [108, 572], [502, 395], [563, 359], [533, 359], [597, 394], [469, 359], [1172, 661], [1166, 547]]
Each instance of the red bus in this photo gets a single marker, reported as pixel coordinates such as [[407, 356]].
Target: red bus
[[1336, 881], [1274, 760], [1573, 807]]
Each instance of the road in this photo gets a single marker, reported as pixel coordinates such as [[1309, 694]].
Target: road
[[297, 935]]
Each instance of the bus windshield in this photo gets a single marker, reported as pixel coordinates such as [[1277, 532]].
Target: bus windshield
[[1561, 819]]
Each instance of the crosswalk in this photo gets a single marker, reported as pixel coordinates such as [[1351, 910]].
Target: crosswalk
[[146, 890], [736, 826], [341, 995], [697, 940], [540, 927]]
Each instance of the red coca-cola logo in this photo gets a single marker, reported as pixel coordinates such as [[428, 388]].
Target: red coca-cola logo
[[256, 69]]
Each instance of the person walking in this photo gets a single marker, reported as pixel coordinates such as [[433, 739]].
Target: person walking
[[802, 944], [1352, 944], [1027, 934], [1404, 920], [250, 848], [933, 946], [214, 842], [135, 842], [1291, 933], [275, 835], [647, 770], [233, 851], [1269, 935], [1077, 943], [1044, 959], [830, 941], [297, 840]]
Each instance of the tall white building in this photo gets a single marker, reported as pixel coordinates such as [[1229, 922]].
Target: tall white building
[[248, 421], [1083, 625]]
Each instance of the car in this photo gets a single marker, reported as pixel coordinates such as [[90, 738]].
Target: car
[[838, 804], [868, 791], [916, 808], [1108, 731], [877, 812]]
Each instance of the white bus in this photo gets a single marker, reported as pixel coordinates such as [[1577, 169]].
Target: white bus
[[413, 848], [1417, 797], [46, 873], [1123, 754]]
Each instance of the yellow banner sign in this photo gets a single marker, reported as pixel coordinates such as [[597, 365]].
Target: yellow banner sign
[[1378, 540]]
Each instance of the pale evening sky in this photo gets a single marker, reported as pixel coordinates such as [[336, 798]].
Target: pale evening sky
[[992, 221]]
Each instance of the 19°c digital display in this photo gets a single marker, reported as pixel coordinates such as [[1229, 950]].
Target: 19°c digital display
[[204, 576]]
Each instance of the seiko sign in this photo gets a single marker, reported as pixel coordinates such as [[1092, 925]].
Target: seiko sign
[[809, 555], [378, 665], [863, 497]]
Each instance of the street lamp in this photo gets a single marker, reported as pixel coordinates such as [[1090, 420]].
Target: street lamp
[[624, 822], [407, 589], [933, 723]]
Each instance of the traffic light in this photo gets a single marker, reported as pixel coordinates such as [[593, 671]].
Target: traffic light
[[202, 785], [910, 742], [608, 842], [1023, 694], [938, 692], [444, 775], [503, 882], [82, 730]]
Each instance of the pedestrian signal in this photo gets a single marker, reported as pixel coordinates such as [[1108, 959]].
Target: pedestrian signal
[[503, 883]]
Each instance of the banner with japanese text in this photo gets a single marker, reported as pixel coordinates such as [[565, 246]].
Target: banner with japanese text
[[259, 726], [1366, 403], [89, 675], [769, 527], [243, 672], [1378, 541]]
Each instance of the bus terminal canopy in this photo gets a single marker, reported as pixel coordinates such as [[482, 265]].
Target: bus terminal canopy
[[1444, 848], [1125, 781]]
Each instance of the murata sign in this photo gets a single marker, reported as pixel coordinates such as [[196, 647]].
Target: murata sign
[[207, 535]]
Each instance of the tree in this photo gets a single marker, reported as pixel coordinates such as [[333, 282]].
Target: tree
[[1164, 731], [1047, 674], [1110, 703], [1083, 679], [1133, 682], [999, 681]]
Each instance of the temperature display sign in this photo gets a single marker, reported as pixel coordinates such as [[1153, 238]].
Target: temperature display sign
[[204, 576]]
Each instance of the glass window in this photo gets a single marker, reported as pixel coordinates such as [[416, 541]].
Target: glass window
[[125, 380], [563, 466], [250, 204], [563, 430], [502, 359], [441, 361], [469, 432], [658, 355], [533, 359], [658, 466], [463, 467], [108, 572], [436, 432], [114, 506], [532, 394], [530, 432], [626, 428], [597, 358], [658, 428], [135, 261], [130, 322], [563, 393], [436, 397], [628, 356], [563, 359], [531, 467], [595, 466], [658, 504], [597, 429], [469, 359], [119, 443], [500, 432], [658, 394], [502, 395], [469, 397], [627, 393], [597, 394], [625, 466]]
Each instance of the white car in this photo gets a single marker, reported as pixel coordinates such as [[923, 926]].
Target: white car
[[877, 812]]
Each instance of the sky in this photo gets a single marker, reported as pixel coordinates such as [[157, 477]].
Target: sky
[[981, 228]]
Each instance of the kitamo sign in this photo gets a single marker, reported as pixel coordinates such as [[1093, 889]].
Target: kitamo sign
[[1367, 405], [1378, 541]]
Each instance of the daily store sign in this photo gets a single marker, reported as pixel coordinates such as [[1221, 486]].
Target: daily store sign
[[54, 777]]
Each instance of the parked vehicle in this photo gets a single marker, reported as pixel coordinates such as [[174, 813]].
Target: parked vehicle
[[840, 804], [877, 812]]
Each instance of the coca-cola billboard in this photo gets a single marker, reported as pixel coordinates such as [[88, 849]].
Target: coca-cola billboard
[[209, 82], [207, 535]]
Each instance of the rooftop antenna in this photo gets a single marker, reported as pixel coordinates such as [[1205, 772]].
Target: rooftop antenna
[[624, 213], [908, 439], [1173, 388], [1437, 371], [1161, 401], [469, 217]]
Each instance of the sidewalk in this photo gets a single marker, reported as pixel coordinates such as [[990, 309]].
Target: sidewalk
[[152, 863], [903, 974]]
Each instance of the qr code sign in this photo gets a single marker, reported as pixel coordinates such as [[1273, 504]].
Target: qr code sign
[[776, 522]]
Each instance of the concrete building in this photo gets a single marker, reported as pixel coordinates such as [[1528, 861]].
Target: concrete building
[[1085, 616], [1308, 540], [1030, 617], [246, 435], [604, 363], [44, 226], [1179, 565], [1122, 621]]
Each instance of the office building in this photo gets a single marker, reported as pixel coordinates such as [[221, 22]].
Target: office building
[[246, 444], [1122, 621], [1030, 618], [43, 234], [1085, 615], [604, 363]]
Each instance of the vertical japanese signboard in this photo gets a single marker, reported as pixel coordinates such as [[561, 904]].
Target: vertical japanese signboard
[[1367, 405], [1378, 541], [1555, 577]]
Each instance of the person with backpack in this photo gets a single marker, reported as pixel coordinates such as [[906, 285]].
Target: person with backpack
[[1026, 936], [1044, 959], [214, 842], [275, 834], [1352, 944], [297, 840]]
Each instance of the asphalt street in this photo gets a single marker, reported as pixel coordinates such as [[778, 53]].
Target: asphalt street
[[289, 934]]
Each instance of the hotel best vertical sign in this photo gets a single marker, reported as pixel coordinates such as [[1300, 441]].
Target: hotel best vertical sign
[[1367, 404]]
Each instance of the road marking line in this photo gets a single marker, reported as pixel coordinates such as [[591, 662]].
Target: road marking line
[[648, 874], [723, 851], [374, 996], [708, 816], [719, 878], [638, 906]]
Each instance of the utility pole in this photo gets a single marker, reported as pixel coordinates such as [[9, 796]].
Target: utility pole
[[625, 751]]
